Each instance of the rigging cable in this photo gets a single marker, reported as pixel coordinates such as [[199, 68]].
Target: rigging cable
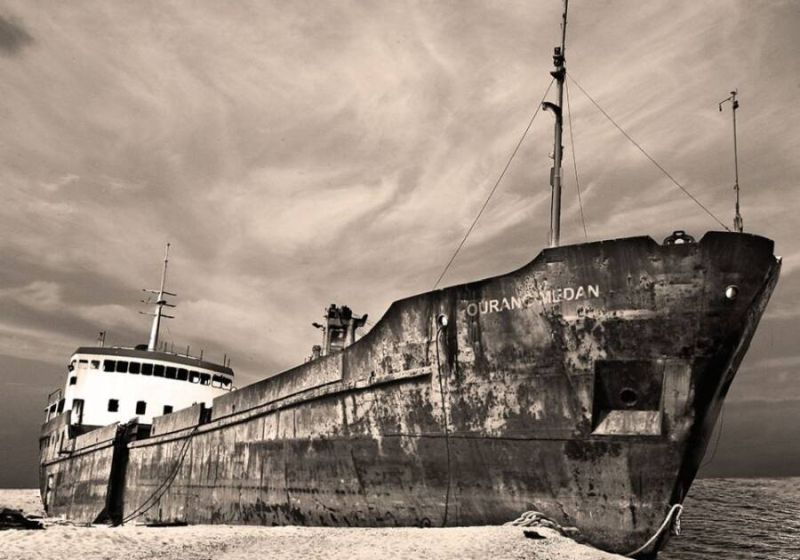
[[648, 156], [156, 495], [439, 329], [719, 435], [574, 162], [494, 188]]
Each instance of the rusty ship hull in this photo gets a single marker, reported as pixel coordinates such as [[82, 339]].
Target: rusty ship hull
[[584, 385]]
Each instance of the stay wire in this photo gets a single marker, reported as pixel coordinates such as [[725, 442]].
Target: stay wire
[[719, 435], [648, 156], [575, 162], [439, 331], [494, 188]]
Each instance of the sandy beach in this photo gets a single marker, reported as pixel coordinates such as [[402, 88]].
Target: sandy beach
[[62, 541]]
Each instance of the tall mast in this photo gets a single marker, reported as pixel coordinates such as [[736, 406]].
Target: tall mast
[[161, 302], [738, 224], [559, 74]]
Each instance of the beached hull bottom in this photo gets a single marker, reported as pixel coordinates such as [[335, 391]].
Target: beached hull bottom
[[361, 482]]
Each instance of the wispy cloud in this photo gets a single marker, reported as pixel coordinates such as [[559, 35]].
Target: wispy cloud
[[13, 35], [296, 157]]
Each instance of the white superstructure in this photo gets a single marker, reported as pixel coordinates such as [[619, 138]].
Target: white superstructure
[[106, 385]]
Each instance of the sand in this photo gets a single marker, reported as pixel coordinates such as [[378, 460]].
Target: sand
[[61, 541]]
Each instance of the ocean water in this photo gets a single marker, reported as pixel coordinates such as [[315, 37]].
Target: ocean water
[[737, 519]]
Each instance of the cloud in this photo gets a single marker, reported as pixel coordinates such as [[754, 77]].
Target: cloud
[[779, 362], [783, 313], [297, 157], [40, 295], [13, 36], [60, 182]]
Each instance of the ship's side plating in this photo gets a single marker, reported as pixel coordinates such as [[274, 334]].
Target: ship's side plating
[[584, 385]]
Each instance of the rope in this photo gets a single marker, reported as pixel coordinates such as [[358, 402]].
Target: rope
[[676, 528], [719, 435], [538, 519], [446, 425], [575, 162], [494, 188], [164, 486], [532, 517], [648, 156]]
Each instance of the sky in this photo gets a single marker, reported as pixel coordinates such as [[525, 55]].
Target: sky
[[297, 154]]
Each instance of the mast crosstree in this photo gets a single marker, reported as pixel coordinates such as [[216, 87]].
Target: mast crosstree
[[160, 304]]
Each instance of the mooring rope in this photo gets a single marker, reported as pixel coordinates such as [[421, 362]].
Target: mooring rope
[[719, 435], [676, 528], [164, 486], [538, 519], [534, 518]]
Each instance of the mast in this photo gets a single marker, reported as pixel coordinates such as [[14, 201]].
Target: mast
[[559, 73], [160, 303], [738, 224]]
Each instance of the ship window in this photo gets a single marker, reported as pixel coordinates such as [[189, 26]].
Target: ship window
[[147, 369], [77, 412], [170, 372], [194, 377], [73, 380], [183, 375], [83, 364], [122, 367], [141, 407], [113, 405], [133, 367], [61, 406], [109, 365], [158, 370], [95, 364], [205, 378], [167, 408], [216, 381]]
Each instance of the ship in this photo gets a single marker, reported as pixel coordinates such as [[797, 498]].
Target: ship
[[584, 386]]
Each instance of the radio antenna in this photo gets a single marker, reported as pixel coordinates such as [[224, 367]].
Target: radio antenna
[[738, 224]]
